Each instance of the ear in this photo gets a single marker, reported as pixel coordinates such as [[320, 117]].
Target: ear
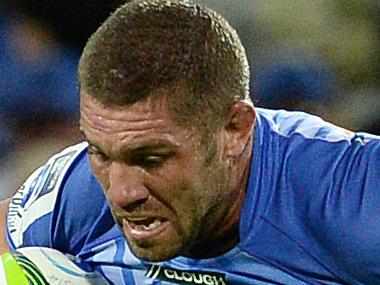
[[238, 128]]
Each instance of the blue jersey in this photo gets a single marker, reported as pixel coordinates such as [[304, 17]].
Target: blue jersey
[[311, 214]]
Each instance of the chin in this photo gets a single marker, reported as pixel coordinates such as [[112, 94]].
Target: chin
[[154, 253], [155, 250]]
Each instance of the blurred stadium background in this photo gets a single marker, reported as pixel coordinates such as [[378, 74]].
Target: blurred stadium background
[[319, 56]]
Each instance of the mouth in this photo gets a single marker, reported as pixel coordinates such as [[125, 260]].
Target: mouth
[[144, 227]]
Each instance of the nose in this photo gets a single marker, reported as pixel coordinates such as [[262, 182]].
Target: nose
[[126, 187]]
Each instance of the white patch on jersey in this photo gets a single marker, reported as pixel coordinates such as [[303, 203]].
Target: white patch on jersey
[[37, 196]]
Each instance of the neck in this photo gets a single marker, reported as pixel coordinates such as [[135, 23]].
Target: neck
[[216, 247]]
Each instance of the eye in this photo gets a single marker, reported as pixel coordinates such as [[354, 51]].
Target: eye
[[149, 160]]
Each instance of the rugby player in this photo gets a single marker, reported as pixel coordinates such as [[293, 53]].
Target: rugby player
[[182, 180]]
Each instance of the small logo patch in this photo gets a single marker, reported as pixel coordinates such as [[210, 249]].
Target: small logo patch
[[163, 273]]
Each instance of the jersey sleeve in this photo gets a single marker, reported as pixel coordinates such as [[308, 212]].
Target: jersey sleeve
[[32, 210]]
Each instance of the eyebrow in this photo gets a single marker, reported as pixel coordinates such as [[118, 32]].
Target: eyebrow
[[140, 147], [148, 146], [154, 146]]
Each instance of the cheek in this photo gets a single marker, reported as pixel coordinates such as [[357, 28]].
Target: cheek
[[176, 188], [212, 185], [187, 206], [189, 196]]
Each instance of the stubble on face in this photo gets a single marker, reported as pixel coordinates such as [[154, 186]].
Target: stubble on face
[[205, 201], [199, 203], [191, 190]]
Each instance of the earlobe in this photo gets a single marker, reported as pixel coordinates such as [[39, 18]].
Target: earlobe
[[239, 127]]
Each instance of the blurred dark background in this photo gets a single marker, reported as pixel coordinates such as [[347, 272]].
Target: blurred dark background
[[317, 56]]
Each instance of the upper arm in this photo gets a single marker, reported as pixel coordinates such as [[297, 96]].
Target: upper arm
[[3, 217]]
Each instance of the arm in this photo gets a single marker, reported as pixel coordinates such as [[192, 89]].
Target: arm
[[3, 218]]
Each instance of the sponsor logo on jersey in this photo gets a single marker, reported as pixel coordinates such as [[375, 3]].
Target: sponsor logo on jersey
[[159, 272], [16, 206], [52, 176]]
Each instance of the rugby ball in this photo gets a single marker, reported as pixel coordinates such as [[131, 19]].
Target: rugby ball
[[46, 266]]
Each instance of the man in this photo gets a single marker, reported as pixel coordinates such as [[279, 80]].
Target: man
[[189, 184]]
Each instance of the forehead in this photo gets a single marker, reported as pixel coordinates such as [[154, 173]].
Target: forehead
[[136, 124], [94, 111]]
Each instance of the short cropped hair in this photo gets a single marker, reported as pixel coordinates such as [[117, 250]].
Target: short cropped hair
[[150, 44]]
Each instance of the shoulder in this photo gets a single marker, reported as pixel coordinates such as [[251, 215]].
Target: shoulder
[[324, 191], [301, 142], [295, 123], [39, 194]]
